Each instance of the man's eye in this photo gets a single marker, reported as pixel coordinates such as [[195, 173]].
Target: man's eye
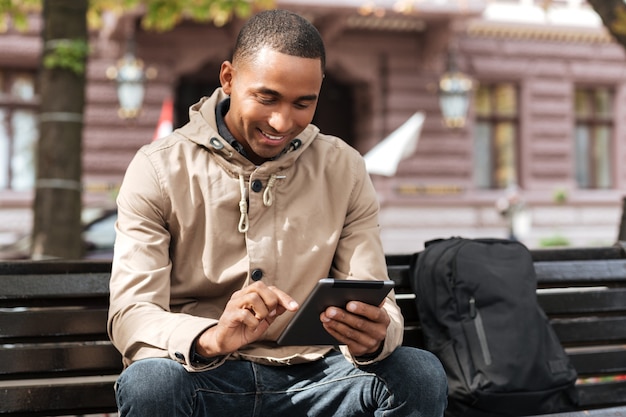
[[266, 100], [301, 106]]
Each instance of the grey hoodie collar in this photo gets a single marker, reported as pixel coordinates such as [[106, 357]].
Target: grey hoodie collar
[[203, 130], [220, 112]]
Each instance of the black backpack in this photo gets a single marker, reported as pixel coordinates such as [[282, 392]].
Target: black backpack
[[477, 304]]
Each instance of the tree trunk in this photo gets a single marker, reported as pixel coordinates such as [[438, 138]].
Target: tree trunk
[[58, 198], [613, 15]]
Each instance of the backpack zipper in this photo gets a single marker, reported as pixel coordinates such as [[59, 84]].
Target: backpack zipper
[[480, 330]]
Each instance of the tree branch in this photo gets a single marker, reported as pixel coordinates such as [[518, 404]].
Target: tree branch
[[613, 15]]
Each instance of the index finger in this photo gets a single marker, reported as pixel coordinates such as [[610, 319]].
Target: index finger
[[284, 299], [273, 299]]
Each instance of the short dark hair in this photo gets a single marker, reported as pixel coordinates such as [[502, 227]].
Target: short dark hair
[[283, 31]]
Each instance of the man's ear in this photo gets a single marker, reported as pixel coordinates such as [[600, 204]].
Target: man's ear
[[226, 76]]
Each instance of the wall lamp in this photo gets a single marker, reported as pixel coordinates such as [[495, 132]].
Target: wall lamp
[[130, 75], [454, 94]]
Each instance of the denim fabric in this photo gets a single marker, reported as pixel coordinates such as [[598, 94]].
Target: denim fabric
[[410, 382]]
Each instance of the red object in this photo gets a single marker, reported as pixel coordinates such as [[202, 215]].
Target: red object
[[166, 120]]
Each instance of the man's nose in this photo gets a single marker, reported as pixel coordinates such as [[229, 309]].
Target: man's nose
[[281, 120]]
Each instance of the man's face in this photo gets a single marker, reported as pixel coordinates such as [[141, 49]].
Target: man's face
[[272, 99]]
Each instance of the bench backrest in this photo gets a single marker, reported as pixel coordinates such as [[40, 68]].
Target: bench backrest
[[55, 355]]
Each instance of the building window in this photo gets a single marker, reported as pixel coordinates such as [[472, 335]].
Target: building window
[[18, 129], [496, 136], [593, 133]]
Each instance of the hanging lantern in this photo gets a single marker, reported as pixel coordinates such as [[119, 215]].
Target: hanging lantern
[[130, 76], [454, 94]]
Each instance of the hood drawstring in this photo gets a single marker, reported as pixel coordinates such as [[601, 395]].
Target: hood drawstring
[[268, 195], [243, 207], [268, 199]]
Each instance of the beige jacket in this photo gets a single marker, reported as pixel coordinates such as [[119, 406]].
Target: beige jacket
[[182, 248]]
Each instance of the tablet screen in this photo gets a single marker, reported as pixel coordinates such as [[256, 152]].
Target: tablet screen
[[305, 328]]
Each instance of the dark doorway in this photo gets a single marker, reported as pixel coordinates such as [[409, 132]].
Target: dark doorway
[[191, 88], [335, 109]]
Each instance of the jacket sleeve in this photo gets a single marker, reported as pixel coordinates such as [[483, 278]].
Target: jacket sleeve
[[360, 253], [140, 323]]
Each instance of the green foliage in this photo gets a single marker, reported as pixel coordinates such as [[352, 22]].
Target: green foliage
[[552, 241], [560, 195], [70, 54], [164, 15], [16, 11], [157, 15], [97, 8]]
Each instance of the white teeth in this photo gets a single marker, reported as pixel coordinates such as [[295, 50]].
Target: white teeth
[[272, 137]]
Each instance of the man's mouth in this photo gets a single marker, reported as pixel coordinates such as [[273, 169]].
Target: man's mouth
[[272, 137]]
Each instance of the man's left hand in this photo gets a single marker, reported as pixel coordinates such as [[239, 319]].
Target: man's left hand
[[361, 327]]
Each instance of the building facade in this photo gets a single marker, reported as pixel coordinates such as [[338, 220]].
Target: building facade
[[539, 155]]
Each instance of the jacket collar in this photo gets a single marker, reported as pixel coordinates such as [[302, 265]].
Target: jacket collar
[[202, 130]]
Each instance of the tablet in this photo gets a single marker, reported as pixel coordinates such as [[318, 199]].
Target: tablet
[[305, 328]]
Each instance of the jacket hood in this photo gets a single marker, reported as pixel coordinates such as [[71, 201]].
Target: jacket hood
[[202, 130]]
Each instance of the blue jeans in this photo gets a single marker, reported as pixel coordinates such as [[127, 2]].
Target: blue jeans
[[410, 382]]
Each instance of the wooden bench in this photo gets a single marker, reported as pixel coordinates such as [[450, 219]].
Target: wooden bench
[[55, 355], [56, 359]]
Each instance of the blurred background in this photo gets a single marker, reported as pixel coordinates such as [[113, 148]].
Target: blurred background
[[522, 105]]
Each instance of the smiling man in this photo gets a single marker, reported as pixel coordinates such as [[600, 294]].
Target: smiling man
[[273, 99], [226, 225]]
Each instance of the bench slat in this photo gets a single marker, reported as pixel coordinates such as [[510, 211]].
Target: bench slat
[[52, 399], [586, 271], [590, 329], [602, 412], [46, 267], [598, 359], [42, 323], [548, 272], [604, 394], [578, 253], [602, 300], [40, 360], [19, 287]]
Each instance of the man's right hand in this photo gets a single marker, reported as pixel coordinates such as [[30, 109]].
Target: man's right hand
[[248, 314]]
